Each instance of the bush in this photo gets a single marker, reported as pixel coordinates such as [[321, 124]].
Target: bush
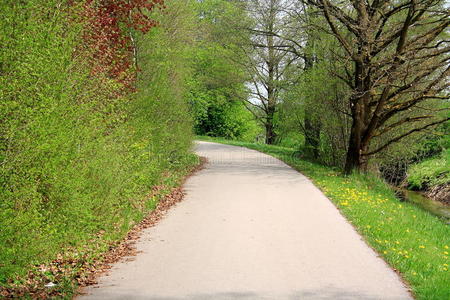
[[78, 155]]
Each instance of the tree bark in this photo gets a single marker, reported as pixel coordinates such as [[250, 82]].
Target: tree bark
[[312, 124], [312, 135], [270, 133]]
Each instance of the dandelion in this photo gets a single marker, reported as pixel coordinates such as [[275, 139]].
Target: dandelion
[[422, 247], [446, 247], [445, 252]]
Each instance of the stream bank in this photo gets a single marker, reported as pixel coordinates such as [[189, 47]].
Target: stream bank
[[435, 207]]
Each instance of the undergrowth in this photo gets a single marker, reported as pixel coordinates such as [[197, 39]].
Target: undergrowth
[[78, 151]]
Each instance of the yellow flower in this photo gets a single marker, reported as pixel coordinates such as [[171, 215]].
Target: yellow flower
[[397, 242], [385, 252], [422, 247], [445, 252], [446, 247]]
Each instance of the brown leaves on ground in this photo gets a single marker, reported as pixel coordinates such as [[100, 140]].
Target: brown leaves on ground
[[73, 268]]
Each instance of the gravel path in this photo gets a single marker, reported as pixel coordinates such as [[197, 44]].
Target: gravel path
[[250, 227]]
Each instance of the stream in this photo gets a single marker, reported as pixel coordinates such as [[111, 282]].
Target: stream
[[434, 207]]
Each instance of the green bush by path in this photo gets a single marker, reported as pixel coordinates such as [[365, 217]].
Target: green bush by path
[[76, 159], [411, 240]]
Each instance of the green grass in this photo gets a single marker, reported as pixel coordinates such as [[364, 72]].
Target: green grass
[[411, 240], [431, 172]]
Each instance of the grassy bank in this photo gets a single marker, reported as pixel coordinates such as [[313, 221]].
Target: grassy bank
[[432, 176], [412, 241]]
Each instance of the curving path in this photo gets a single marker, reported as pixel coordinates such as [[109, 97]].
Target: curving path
[[250, 227]]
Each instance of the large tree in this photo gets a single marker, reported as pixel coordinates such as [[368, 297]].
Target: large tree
[[396, 56]]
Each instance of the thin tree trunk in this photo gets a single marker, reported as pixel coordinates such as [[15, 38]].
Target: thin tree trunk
[[312, 135], [312, 124], [270, 133]]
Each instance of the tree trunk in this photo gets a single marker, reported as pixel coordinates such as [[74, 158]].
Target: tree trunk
[[312, 124], [312, 136], [355, 159], [271, 87], [270, 133]]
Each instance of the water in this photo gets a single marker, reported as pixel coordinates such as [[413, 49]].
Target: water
[[435, 207]]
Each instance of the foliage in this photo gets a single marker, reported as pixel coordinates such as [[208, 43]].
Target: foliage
[[78, 154], [108, 35], [217, 87], [410, 239], [324, 105]]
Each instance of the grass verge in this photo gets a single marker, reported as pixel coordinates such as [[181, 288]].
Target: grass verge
[[411, 240]]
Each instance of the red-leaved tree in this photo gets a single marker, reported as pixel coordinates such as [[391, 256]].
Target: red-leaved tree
[[109, 39]]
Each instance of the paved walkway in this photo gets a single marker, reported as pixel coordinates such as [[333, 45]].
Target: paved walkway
[[251, 227]]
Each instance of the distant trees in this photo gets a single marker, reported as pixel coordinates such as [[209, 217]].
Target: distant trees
[[217, 88], [396, 63], [267, 61]]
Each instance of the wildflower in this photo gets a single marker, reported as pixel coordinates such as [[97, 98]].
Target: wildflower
[[446, 247], [422, 247], [445, 252], [397, 242]]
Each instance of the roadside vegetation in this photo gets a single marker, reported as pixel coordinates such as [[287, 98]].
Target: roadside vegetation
[[94, 128], [413, 242], [100, 101]]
